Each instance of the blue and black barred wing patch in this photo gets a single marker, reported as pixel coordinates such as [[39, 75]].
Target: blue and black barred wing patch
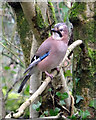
[[35, 60]]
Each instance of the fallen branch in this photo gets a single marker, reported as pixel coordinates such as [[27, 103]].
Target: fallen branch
[[42, 87]]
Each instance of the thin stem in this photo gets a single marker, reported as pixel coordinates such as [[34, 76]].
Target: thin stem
[[12, 53], [9, 43]]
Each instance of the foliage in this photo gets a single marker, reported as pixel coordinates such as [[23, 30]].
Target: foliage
[[36, 106], [79, 98], [93, 103], [62, 96], [64, 11], [84, 114], [67, 73], [76, 9], [54, 112]]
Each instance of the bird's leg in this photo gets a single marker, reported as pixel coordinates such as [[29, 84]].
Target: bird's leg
[[58, 70], [50, 75]]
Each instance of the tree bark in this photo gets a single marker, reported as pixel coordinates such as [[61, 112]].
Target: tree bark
[[2, 103], [84, 63]]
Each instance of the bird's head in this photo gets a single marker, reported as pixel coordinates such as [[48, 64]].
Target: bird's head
[[60, 31]]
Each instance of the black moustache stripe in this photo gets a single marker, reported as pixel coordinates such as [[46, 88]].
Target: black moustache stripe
[[57, 32]]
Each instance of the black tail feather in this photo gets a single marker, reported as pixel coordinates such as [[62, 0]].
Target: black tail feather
[[23, 83]]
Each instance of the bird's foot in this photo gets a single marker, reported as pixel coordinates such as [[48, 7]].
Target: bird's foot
[[49, 75], [58, 70]]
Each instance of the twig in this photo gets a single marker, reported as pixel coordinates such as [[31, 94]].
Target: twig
[[12, 87], [42, 87], [9, 43], [72, 105], [60, 116], [12, 59], [12, 53]]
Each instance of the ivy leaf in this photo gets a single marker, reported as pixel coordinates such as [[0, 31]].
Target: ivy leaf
[[77, 79], [54, 112], [84, 114], [50, 89], [79, 98], [58, 94], [62, 96], [93, 103], [36, 106], [46, 112], [62, 102]]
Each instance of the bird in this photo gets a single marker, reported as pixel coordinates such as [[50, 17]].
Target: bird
[[50, 53]]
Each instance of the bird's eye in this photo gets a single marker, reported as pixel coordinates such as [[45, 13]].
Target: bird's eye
[[61, 30]]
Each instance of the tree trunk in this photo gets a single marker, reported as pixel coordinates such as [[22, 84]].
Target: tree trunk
[[84, 64], [2, 103]]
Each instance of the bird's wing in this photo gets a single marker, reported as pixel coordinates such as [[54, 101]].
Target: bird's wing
[[41, 53], [36, 61], [44, 47]]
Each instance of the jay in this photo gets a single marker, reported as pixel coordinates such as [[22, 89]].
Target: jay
[[50, 53]]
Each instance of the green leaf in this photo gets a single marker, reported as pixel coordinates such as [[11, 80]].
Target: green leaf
[[62, 95], [58, 94], [76, 80], [84, 114], [61, 4], [13, 95], [67, 73], [46, 112], [62, 102], [36, 106], [7, 68], [93, 103], [50, 89], [79, 98], [54, 112], [13, 72]]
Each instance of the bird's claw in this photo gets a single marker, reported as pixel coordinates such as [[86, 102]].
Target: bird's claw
[[49, 75]]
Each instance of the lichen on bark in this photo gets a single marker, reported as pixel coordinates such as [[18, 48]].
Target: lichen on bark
[[25, 35]]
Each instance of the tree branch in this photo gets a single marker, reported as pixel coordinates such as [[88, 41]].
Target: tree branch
[[43, 86]]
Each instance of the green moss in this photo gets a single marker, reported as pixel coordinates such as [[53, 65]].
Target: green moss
[[92, 55], [77, 9], [90, 31], [52, 11], [22, 24], [39, 19]]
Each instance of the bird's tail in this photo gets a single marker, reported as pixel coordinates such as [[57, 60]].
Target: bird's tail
[[23, 82]]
